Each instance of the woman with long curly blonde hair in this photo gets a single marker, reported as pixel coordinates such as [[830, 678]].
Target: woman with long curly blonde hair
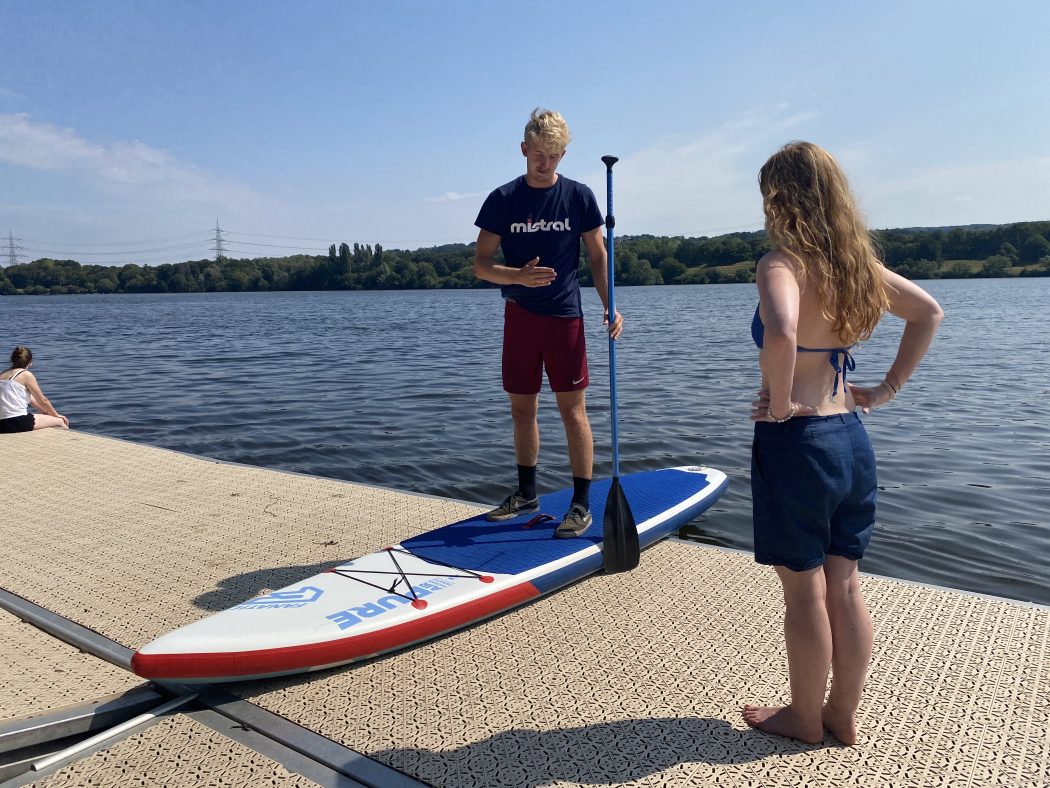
[[821, 291]]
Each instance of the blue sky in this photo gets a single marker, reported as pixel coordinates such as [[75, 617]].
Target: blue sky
[[128, 128]]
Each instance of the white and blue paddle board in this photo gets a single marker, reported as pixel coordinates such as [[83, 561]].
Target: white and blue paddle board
[[428, 585]]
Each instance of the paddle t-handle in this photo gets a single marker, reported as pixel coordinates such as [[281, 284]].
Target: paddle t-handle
[[610, 220]]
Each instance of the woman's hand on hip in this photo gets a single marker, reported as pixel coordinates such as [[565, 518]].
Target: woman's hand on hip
[[867, 398], [760, 410]]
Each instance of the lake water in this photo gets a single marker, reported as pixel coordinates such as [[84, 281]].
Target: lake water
[[402, 389]]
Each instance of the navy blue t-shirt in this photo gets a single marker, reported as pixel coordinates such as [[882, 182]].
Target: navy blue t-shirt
[[545, 223]]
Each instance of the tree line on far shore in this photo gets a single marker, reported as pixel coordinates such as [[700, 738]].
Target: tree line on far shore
[[1021, 249]]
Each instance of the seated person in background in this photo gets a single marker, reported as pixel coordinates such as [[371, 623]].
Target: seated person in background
[[18, 391]]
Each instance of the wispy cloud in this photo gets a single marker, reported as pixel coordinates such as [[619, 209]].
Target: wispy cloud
[[701, 185], [131, 165], [76, 191], [1005, 191], [707, 185], [454, 196]]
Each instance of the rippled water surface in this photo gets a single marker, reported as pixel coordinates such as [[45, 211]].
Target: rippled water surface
[[402, 389]]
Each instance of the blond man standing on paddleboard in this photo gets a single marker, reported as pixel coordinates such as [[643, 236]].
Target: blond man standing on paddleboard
[[538, 220]]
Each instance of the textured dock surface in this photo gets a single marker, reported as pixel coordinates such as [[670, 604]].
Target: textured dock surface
[[41, 674], [177, 751], [631, 679]]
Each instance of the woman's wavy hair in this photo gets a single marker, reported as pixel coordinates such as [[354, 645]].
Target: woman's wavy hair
[[811, 215]]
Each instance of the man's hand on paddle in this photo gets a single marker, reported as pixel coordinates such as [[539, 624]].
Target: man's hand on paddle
[[532, 274], [617, 326]]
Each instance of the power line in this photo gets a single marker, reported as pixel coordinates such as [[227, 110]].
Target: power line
[[214, 238], [245, 254], [274, 246], [436, 241], [144, 263], [282, 237], [217, 241], [198, 234], [106, 254]]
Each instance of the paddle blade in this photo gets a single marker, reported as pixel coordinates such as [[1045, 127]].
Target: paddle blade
[[621, 533]]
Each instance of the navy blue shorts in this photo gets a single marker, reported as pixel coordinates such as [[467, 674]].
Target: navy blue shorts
[[813, 486]]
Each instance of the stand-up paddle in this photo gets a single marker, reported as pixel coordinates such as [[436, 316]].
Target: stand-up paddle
[[620, 547]]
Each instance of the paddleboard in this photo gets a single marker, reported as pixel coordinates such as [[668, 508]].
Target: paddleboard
[[426, 586]]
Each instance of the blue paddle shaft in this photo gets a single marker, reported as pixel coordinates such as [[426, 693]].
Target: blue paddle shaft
[[610, 223]]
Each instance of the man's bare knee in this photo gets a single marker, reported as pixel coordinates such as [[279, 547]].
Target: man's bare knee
[[575, 416], [573, 406], [523, 408]]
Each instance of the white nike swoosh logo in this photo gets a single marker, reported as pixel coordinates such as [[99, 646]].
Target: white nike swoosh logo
[[577, 381]]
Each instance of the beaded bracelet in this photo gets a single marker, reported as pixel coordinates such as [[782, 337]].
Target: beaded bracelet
[[775, 420]]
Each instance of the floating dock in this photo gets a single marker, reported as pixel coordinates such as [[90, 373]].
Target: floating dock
[[632, 679]]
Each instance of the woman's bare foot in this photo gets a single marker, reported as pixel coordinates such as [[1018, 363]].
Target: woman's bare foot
[[843, 726], [782, 721]]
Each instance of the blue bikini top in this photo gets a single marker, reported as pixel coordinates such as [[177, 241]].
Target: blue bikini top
[[841, 359]]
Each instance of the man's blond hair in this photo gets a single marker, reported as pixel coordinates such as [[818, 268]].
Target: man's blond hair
[[547, 129]]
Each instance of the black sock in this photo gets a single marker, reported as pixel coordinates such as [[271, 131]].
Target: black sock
[[527, 481], [581, 492]]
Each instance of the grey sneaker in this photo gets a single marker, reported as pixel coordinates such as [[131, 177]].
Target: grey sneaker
[[577, 520], [512, 506]]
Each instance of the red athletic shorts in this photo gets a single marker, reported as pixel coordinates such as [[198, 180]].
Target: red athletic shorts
[[532, 343]]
